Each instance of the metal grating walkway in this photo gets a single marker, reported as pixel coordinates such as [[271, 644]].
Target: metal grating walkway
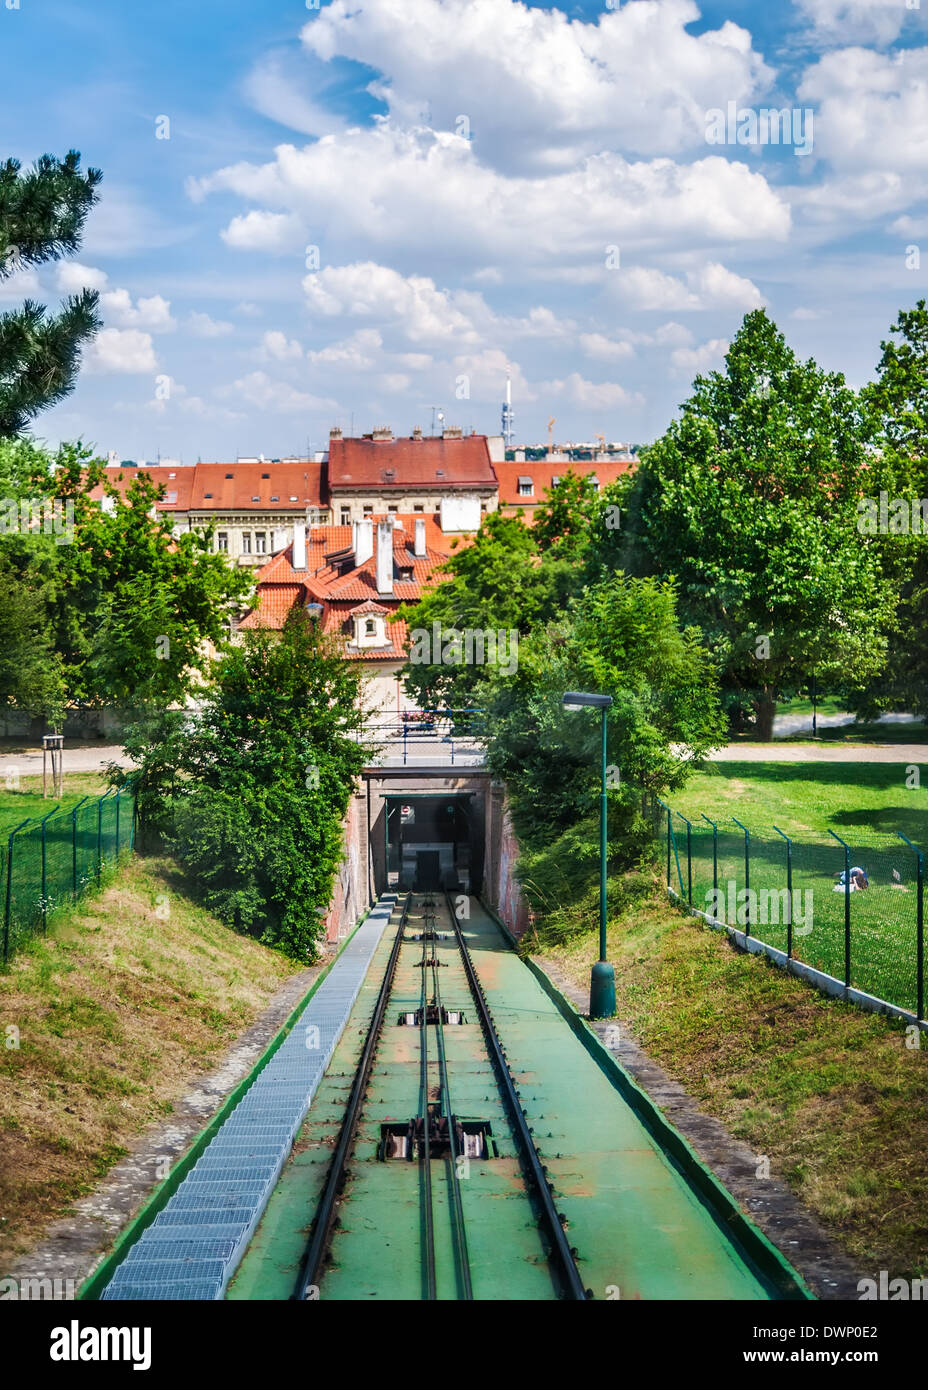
[[194, 1245]]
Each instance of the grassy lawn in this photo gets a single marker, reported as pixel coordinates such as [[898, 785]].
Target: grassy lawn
[[129, 997], [16, 804], [831, 1095], [864, 803]]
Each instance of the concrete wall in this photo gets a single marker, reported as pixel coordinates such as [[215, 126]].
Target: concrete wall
[[351, 897]]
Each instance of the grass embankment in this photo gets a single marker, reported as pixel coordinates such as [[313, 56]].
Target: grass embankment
[[832, 1095], [130, 996], [26, 800]]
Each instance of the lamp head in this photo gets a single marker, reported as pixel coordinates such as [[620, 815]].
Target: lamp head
[[575, 699]]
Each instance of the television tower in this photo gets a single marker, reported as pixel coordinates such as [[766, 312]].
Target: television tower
[[507, 416]]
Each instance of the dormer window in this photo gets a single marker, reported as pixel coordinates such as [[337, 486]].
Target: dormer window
[[526, 487]]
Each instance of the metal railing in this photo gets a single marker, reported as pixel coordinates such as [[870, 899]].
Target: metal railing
[[48, 862], [420, 737], [853, 914]]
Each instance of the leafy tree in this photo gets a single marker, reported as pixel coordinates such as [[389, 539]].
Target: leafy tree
[[620, 638], [131, 611], [898, 403], [254, 789], [42, 214], [750, 500], [502, 582]]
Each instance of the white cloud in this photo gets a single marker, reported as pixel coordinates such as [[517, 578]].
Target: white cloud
[[264, 231], [259, 390], [646, 288], [357, 353], [605, 349], [71, 277], [383, 191], [855, 21], [413, 305], [804, 315], [699, 359], [121, 350], [277, 347], [22, 284], [153, 313], [603, 395], [541, 90], [719, 288], [202, 326], [872, 110], [278, 89]]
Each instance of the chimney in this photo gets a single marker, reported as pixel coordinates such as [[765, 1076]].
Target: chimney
[[383, 434], [384, 557], [335, 433], [363, 541], [452, 432], [419, 547], [417, 432], [298, 561]]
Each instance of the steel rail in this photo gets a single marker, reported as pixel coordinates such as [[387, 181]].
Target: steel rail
[[311, 1265], [560, 1247], [425, 1158], [457, 1206]]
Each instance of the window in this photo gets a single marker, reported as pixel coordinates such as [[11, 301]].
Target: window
[[260, 543], [230, 475], [346, 516], [207, 494], [171, 497], [526, 487], [222, 542], [368, 511], [370, 627], [394, 510], [265, 475], [555, 480], [275, 499], [595, 481], [418, 509], [246, 542]]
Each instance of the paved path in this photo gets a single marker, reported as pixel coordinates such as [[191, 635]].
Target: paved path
[[821, 753], [28, 761]]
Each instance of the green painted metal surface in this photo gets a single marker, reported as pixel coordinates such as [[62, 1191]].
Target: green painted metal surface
[[640, 1227]]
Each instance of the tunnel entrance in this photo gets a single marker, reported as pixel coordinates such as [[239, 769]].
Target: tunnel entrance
[[433, 841]]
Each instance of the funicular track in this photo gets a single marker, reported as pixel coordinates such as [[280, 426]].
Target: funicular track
[[437, 1141]]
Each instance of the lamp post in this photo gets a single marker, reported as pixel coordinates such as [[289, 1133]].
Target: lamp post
[[602, 980]]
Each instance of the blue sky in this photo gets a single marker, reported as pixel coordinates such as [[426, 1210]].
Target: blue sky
[[367, 210]]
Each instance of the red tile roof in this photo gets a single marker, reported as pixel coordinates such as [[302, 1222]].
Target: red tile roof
[[410, 463], [208, 487], [346, 593], [543, 471]]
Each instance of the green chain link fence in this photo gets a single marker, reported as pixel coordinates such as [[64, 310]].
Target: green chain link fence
[[49, 862], [853, 913]]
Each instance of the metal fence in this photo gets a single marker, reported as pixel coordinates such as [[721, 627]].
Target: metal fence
[[49, 862], [853, 913]]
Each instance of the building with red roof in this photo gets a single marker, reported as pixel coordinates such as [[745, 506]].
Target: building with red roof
[[353, 578]]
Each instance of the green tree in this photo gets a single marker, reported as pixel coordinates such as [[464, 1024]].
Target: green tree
[[750, 500], [898, 403], [133, 611], [42, 214], [620, 638], [254, 789]]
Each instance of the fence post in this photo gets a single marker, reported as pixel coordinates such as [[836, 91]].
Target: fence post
[[689, 858], [847, 908], [74, 846], [789, 893], [671, 838], [45, 872], [8, 904], [747, 877], [118, 794], [99, 838], [919, 927], [715, 853]]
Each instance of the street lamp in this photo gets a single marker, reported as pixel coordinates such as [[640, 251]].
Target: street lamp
[[602, 980]]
